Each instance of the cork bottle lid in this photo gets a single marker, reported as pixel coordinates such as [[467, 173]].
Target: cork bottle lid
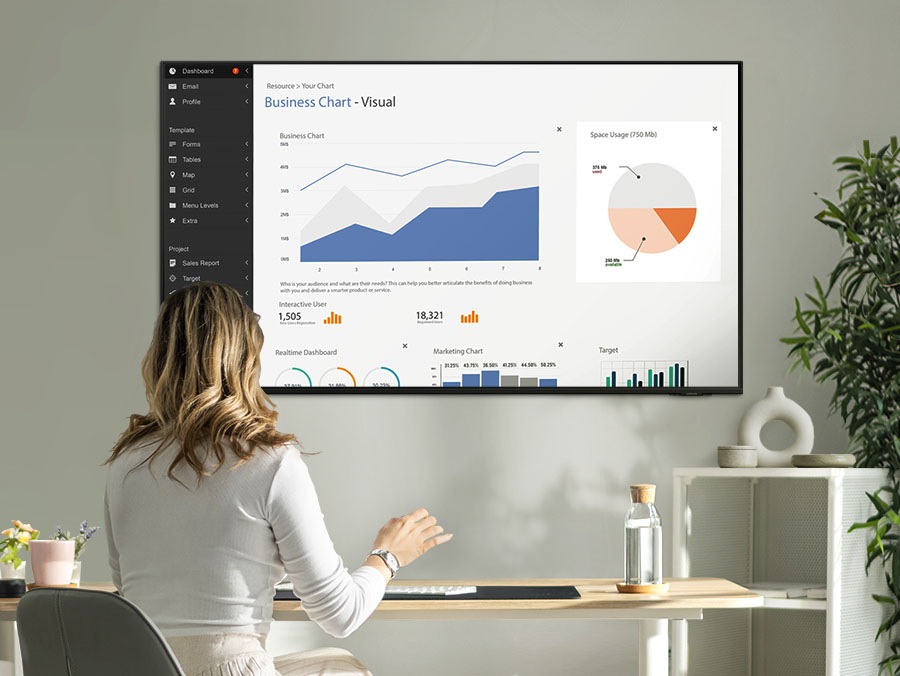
[[643, 492]]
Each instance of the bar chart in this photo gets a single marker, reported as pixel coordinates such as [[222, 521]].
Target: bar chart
[[488, 375], [650, 373], [470, 318]]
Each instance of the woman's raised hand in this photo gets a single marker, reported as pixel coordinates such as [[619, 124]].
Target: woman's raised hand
[[410, 536]]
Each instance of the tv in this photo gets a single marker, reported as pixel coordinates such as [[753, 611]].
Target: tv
[[464, 227]]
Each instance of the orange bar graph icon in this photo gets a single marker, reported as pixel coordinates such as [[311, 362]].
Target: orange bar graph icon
[[333, 318], [471, 318]]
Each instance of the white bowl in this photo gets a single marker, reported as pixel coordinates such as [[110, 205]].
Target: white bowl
[[737, 456], [823, 460]]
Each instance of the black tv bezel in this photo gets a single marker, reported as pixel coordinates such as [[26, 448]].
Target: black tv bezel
[[555, 391]]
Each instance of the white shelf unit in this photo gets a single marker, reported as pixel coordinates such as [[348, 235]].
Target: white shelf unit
[[788, 525]]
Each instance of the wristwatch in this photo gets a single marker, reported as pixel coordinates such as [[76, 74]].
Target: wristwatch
[[389, 560]]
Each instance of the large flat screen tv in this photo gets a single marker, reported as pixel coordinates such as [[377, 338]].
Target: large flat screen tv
[[465, 227]]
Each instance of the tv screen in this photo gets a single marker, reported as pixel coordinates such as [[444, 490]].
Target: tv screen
[[465, 227]]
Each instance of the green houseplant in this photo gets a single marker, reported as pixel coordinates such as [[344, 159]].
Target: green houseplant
[[847, 333]]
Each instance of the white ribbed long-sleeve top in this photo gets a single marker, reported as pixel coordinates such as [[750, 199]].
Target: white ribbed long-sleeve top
[[203, 558]]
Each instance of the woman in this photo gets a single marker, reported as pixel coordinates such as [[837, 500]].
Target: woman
[[208, 505]]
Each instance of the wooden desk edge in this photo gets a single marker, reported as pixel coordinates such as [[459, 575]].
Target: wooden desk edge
[[686, 599]]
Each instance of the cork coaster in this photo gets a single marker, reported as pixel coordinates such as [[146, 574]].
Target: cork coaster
[[661, 588], [49, 586]]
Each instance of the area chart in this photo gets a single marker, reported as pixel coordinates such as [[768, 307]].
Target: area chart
[[505, 228]]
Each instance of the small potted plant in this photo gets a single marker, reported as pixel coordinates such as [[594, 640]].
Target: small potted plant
[[15, 541], [85, 533]]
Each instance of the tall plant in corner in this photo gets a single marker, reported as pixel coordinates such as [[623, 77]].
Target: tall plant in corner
[[847, 334]]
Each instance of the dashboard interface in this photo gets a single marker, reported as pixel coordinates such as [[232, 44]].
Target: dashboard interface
[[464, 227]]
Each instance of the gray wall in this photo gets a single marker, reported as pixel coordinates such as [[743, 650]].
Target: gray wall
[[532, 486]]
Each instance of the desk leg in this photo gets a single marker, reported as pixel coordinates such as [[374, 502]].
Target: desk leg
[[10, 661], [653, 659]]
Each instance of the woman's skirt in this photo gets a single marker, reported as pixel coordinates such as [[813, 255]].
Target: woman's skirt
[[245, 655]]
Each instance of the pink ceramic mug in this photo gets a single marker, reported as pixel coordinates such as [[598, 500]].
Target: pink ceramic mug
[[51, 561]]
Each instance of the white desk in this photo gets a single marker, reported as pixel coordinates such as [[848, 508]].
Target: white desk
[[686, 599]]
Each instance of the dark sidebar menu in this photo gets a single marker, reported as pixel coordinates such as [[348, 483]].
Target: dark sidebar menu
[[206, 175]]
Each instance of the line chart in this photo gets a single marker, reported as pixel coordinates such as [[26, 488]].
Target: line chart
[[449, 160]]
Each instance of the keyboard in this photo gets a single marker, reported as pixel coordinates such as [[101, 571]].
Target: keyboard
[[431, 590], [403, 591]]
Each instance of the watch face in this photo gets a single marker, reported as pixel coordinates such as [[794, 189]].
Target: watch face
[[393, 562]]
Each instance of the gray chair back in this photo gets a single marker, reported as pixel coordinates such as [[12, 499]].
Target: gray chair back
[[85, 632]]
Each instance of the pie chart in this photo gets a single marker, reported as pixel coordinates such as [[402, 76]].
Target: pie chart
[[652, 208]]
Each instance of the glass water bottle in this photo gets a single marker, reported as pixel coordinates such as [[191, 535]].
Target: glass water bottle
[[643, 538]]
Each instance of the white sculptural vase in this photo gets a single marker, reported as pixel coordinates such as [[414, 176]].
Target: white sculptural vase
[[776, 406]]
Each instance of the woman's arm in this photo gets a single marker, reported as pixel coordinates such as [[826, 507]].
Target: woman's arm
[[339, 601], [335, 599]]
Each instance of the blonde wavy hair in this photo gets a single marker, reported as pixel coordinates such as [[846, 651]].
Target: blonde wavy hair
[[201, 376]]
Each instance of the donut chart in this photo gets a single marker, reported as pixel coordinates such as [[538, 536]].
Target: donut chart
[[652, 208]]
